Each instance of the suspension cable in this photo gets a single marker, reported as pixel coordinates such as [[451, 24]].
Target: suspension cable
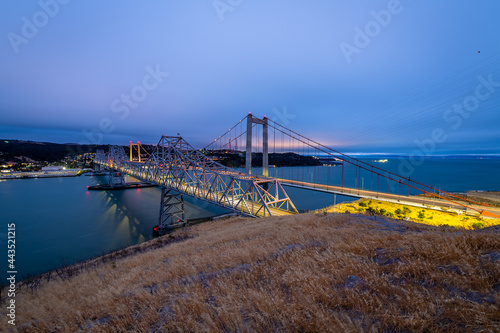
[[388, 175]]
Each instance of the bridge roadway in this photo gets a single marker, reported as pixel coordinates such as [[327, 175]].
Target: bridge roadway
[[434, 203], [255, 207]]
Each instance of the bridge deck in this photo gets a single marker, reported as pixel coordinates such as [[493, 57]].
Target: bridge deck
[[255, 208], [432, 203]]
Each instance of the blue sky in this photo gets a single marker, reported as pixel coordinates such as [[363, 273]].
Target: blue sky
[[361, 76]]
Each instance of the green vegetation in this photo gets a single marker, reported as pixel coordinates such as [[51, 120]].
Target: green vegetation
[[402, 212], [478, 225]]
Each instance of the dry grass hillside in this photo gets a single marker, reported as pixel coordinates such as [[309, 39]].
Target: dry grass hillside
[[305, 273]]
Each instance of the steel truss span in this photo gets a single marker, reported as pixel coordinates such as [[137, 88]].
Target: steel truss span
[[177, 165]]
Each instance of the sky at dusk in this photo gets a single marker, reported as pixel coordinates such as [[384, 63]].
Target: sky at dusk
[[360, 76]]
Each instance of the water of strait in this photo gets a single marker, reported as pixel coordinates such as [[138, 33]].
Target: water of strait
[[59, 222]]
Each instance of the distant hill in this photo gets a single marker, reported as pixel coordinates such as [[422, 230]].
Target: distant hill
[[52, 152], [43, 151], [48, 151], [237, 159]]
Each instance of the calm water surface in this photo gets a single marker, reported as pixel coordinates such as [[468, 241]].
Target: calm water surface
[[59, 222]]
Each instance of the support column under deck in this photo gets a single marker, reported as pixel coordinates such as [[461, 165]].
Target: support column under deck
[[171, 211]]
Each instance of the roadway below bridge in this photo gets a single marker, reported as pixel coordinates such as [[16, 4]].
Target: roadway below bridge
[[416, 201]]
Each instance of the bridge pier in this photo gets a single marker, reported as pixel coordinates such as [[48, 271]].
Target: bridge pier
[[116, 178], [171, 211]]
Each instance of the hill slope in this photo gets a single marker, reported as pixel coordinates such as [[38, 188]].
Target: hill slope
[[334, 272]]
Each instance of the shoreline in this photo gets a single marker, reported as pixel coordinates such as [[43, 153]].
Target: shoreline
[[43, 174]]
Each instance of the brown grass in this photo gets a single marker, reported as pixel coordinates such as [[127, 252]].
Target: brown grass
[[305, 273]]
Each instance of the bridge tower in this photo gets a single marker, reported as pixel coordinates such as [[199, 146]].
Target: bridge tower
[[265, 144], [138, 148]]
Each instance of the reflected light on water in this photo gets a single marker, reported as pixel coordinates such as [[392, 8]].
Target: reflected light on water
[[124, 228]]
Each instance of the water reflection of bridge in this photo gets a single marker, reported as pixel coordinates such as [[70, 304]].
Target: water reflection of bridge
[[125, 217], [134, 213]]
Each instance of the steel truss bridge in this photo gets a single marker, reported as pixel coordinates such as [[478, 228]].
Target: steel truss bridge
[[182, 170]]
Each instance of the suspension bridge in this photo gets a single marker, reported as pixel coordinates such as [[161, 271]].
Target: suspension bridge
[[213, 174]]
